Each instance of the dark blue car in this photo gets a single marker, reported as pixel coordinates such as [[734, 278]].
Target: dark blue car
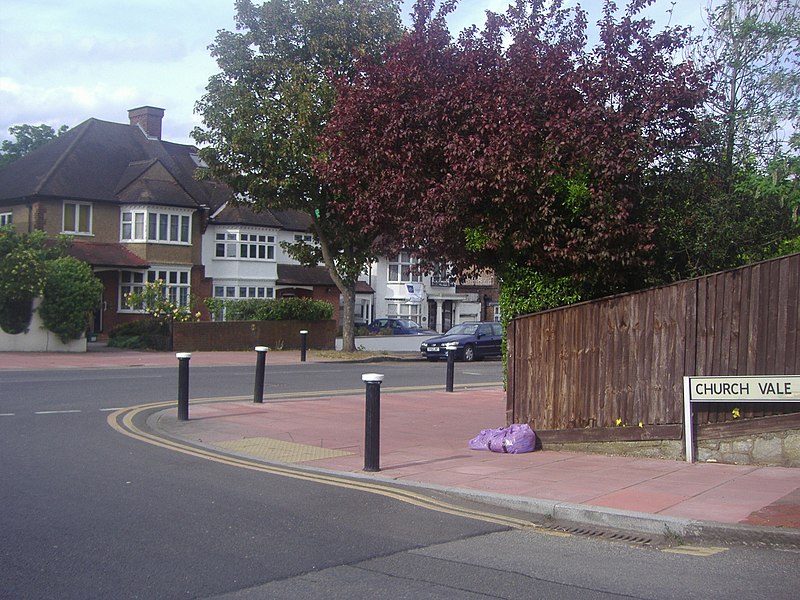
[[469, 341]]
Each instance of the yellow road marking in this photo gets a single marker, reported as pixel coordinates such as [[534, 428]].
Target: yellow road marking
[[122, 422], [696, 550]]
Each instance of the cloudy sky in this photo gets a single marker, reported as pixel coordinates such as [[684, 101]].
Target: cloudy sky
[[64, 61]]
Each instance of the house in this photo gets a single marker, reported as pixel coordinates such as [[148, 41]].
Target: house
[[435, 300], [137, 213], [243, 256]]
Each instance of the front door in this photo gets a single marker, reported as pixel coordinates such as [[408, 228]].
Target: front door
[[432, 315], [447, 315]]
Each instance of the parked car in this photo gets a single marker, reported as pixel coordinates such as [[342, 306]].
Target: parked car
[[469, 340], [398, 327]]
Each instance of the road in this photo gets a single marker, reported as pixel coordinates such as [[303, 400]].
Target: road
[[88, 513]]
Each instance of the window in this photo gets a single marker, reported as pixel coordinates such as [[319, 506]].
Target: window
[[169, 227], [441, 277], [241, 291], [5, 218], [176, 281], [305, 237], [77, 218], [396, 310], [245, 246], [401, 269], [130, 282]]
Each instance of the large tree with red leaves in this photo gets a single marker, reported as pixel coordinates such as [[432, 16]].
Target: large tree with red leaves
[[514, 145]]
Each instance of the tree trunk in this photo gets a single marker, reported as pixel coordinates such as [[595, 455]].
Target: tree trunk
[[346, 289], [348, 328]]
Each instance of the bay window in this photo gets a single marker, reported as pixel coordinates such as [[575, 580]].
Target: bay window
[[244, 246], [167, 226]]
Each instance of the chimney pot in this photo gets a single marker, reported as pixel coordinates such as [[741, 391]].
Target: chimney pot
[[149, 119]]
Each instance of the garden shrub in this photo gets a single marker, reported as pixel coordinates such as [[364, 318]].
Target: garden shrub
[[71, 292], [282, 309], [145, 333]]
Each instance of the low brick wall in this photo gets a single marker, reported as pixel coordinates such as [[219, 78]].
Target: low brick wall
[[208, 336], [774, 449]]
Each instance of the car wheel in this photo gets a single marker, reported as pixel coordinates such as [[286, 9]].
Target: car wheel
[[469, 353]]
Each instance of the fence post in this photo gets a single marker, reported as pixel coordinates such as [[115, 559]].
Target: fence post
[[303, 344], [372, 427], [451, 367], [183, 385], [261, 362]]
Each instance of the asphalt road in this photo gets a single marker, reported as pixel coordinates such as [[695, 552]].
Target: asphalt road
[[88, 513]]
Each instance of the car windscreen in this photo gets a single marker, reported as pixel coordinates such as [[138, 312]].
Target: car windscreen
[[463, 329]]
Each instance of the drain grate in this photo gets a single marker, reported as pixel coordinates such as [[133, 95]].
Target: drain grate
[[617, 536]]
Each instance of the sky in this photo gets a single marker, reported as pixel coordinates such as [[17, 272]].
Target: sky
[[64, 61]]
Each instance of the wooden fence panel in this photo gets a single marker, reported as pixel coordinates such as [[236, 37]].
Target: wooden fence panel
[[622, 359]]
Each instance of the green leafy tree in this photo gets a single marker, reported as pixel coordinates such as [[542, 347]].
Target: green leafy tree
[[263, 114], [755, 45], [32, 266], [701, 227], [70, 293], [27, 139], [734, 198], [22, 276]]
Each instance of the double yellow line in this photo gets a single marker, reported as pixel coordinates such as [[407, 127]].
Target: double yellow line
[[122, 421]]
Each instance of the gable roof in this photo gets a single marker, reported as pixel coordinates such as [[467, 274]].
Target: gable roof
[[99, 161], [241, 214], [311, 276]]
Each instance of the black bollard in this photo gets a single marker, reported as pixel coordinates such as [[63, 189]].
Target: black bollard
[[183, 385], [372, 429], [303, 344], [451, 367], [261, 363]]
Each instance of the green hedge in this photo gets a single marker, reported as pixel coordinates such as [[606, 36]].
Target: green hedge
[[283, 309]]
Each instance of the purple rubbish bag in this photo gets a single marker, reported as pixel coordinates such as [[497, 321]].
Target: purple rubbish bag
[[514, 439]]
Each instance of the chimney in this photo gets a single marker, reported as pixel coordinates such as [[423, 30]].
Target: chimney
[[148, 118]]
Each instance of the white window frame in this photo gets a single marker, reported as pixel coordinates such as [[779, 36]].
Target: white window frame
[[6, 218], [156, 225], [177, 282], [130, 281], [243, 290], [78, 208], [405, 310], [399, 270], [234, 244]]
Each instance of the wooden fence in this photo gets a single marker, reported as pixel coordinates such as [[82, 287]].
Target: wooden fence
[[590, 368]]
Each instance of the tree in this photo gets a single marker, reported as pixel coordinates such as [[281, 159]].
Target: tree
[[735, 197], [31, 267], [701, 227], [70, 293], [515, 145], [263, 113], [756, 47], [28, 138]]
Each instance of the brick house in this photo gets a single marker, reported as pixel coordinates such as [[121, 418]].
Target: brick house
[[137, 213]]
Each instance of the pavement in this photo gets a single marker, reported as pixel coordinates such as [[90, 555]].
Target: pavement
[[423, 444]]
